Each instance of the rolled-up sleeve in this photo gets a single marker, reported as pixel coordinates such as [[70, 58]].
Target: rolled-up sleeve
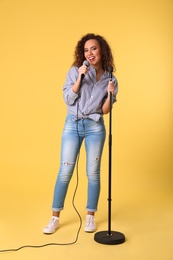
[[114, 96], [69, 95]]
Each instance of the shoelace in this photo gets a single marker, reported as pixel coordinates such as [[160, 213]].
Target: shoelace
[[90, 220], [51, 223]]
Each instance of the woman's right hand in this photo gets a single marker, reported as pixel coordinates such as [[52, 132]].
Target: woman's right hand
[[82, 70]]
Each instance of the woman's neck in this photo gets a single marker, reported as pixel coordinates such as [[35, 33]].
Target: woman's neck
[[99, 73]]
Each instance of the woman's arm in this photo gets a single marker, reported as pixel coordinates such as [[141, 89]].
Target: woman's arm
[[106, 105], [82, 70], [72, 84]]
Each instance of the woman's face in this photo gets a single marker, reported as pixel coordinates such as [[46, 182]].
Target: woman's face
[[92, 53]]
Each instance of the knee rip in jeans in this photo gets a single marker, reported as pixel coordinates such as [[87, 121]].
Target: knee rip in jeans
[[67, 163]]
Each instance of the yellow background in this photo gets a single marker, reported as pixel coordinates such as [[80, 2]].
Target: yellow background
[[37, 41]]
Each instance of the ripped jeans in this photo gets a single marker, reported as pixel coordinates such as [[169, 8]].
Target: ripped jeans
[[73, 135]]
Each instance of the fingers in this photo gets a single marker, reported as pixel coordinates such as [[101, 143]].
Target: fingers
[[83, 69], [111, 87]]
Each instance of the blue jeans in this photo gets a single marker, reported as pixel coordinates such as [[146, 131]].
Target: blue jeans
[[73, 135]]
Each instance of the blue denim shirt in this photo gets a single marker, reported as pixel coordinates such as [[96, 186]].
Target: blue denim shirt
[[88, 102]]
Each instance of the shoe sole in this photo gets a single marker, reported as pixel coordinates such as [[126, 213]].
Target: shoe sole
[[89, 230]]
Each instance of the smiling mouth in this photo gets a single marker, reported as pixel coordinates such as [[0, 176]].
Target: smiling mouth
[[91, 59]]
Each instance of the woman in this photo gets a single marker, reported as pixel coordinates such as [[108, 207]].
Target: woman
[[87, 96]]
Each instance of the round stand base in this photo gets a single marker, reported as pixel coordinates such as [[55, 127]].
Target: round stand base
[[114, 238]]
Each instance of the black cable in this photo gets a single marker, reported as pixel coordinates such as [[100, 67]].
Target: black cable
[[73, 203]]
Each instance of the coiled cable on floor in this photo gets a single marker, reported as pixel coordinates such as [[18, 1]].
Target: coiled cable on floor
[[73, 203], [57, 244]]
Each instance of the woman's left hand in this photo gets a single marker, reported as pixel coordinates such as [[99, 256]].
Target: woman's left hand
[[111, 87]]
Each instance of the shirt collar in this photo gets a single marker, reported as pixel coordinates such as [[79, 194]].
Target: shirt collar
[[93, 71]]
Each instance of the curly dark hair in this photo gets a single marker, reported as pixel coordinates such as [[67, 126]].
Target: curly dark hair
[[107, 57]]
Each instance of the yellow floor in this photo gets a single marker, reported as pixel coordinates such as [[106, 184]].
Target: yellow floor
[[146, 221]]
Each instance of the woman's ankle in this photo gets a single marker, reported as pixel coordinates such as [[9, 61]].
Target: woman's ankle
[[56, 214], [90, 213]]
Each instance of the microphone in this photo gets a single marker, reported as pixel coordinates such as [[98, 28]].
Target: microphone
[[110, 70], [86, 63]]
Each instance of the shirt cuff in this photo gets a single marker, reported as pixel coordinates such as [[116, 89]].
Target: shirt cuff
[[72, 95]]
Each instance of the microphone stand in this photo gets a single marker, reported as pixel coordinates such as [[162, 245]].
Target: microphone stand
[[109, 237]]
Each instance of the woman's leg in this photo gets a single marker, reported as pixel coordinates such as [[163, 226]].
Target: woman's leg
[[94, 142], [70, 148], [71, 143]]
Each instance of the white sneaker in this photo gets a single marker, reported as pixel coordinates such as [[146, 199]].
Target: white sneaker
[[90, 225], [51, 226]]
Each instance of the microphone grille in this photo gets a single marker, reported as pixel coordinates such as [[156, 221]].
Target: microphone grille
[[86, 63]]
